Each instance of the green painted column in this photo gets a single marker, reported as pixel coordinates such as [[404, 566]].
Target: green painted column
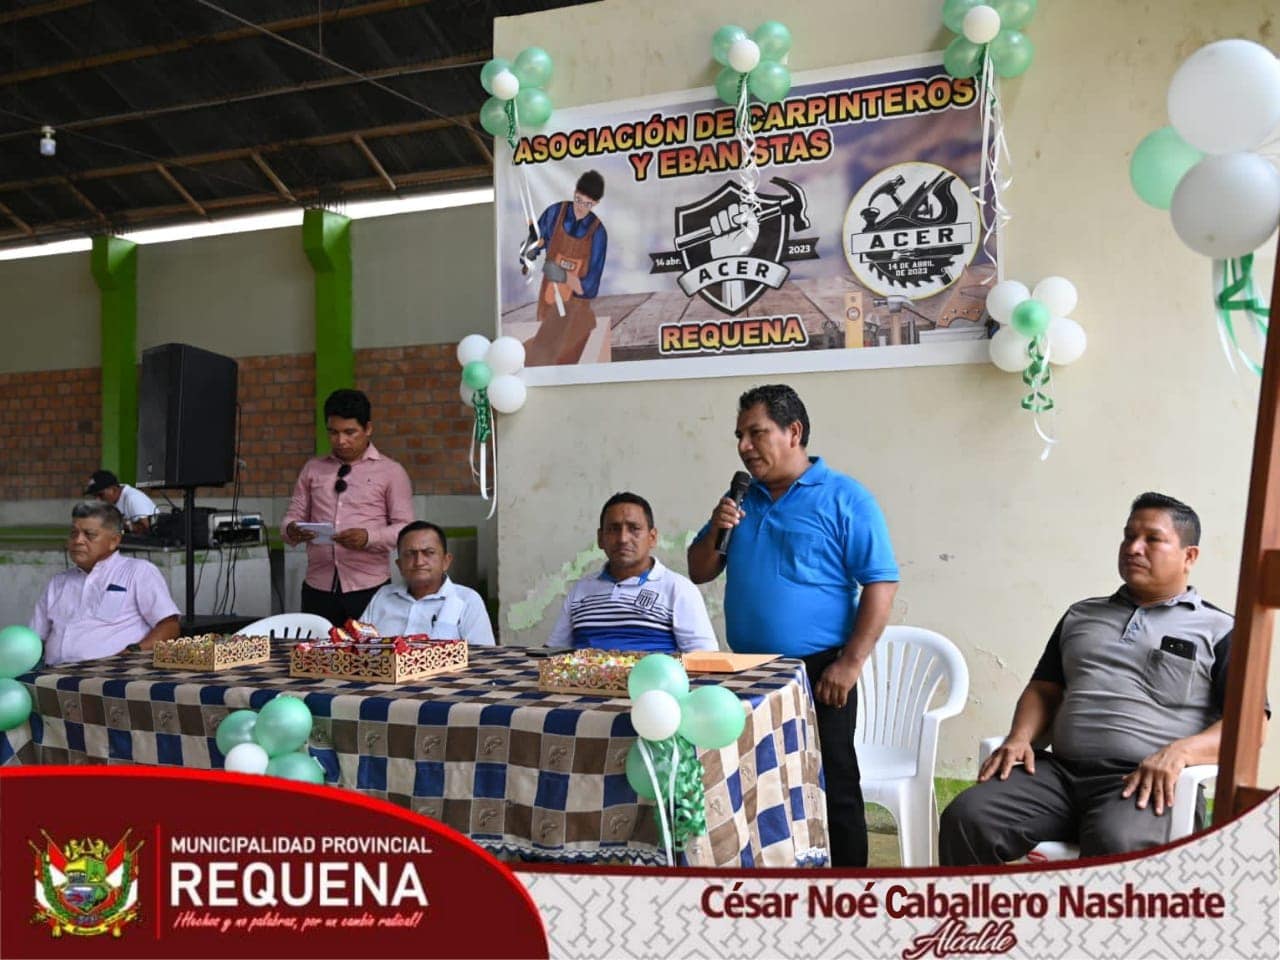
[[115, 269], [326, 238]]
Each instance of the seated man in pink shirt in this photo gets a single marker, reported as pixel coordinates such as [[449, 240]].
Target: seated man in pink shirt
[[365, 496], [107, 601]]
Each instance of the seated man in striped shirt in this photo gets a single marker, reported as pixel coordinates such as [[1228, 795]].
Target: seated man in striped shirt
[[634, 603]]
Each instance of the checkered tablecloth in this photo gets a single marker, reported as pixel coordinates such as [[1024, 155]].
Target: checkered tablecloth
[[482, 750]]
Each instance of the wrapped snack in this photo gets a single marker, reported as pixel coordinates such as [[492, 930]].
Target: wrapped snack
[[361, 632], [602, 672]]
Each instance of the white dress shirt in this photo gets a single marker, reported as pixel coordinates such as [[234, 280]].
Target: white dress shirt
[[134, 504], [454, 612]]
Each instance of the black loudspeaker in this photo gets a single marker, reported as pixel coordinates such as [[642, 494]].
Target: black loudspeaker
[[186, 417]]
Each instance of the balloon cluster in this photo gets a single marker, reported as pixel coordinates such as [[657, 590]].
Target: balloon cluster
[[1223, 197], [272, 740], [20, 650], [754, 59], [988, 29], [516, 92], [489, 372], [672, 721]]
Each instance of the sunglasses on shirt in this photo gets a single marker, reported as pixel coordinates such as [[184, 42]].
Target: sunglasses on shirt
[[340, 485]]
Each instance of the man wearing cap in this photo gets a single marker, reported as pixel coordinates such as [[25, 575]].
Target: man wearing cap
[[106, 602], [135, 507]]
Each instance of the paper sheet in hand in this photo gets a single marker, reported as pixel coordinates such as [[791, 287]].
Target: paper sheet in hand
[[323, 531], [711, 661]]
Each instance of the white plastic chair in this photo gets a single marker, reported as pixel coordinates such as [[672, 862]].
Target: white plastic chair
[[1182, 818], [897, 733], [289, 626]]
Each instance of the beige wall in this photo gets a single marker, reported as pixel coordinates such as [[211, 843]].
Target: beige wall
[[49, 314], [993, 543]]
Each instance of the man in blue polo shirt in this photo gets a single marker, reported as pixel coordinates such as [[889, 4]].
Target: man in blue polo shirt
[[810, 574], [634, 603]]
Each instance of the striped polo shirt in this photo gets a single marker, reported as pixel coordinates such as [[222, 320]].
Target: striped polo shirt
[[659, 610]]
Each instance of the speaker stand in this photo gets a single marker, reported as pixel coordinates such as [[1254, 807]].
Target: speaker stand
[[188, 536]]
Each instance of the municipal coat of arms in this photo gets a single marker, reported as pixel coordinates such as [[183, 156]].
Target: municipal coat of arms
[[86, 888]]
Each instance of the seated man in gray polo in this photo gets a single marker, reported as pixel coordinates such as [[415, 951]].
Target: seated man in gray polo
[[1129, 691], [428, 601]]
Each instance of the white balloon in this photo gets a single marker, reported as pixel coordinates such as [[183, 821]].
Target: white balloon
[[505, 355], [1067, 341], [655, 714], [744, 55], [1227, 205], [507, 393], [1003, 297], [1058, 294], [246, 758], [981, 24], [1008, 350], [467, 394], [505, 85], [474, 346], [1226, 96]]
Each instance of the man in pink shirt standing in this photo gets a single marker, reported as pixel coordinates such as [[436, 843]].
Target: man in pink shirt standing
[[365, 496]]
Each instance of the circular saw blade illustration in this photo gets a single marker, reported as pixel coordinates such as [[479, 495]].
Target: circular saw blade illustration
[[930, 204]]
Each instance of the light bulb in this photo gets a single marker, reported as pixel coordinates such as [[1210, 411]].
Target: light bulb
[[48, 146]]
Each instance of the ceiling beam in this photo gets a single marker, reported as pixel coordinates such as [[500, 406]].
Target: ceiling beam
[[40, 9], [22, 224], [88, 204], [480, 145], [271, 175], [384, 73], [373, 162], [245, 153], [141, 215], [188, 43], [181, 190]]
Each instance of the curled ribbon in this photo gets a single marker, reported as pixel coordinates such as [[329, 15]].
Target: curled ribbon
[[1038, 376], [995, 161], [681, 805], [483, 439], [1234, 293]]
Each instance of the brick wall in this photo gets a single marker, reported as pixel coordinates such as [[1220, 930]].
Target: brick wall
[[52, 420], [50, 429]]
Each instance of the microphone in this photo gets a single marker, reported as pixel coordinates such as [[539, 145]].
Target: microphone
[[737, 493]]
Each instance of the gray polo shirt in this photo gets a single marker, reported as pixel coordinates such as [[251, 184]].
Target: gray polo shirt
[[1137, 678]]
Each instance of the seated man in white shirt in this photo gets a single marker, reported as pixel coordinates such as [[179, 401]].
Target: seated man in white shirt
[[107, 601], [634, 603], [134, 505], [428, 601]]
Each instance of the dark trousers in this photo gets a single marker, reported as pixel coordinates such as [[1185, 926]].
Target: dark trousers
[[336, 606], [1001, 820], [846, 815]]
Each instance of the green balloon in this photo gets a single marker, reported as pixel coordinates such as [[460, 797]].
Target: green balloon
[[15, 704], [493, 117], [727, 85], [20, 650], [283, 726], [1159, 162], [953, 12], [1011, 53], [491, 70], [236, 728], [711, 717], [638, 775], [773, 39], [533, 67], [1030, 318], [722, 40], [533, 107], [658, 671], [770, 81], [1014, 14], [296, 766], [962, 58], [477, 375]]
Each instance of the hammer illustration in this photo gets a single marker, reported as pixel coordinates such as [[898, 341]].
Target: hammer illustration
[[794, 205]]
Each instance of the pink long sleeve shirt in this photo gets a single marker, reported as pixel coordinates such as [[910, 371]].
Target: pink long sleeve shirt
[[379, 498]]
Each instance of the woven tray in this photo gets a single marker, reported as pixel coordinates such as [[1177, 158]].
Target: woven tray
[[210, 652], [378, 666]]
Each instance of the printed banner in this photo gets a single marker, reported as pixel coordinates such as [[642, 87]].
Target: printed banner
[[629, 246]]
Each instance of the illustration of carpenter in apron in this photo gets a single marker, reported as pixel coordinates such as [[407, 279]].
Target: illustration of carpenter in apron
[[576, 245]]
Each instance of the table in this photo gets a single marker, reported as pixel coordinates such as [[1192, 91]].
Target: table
[[521, 772]]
